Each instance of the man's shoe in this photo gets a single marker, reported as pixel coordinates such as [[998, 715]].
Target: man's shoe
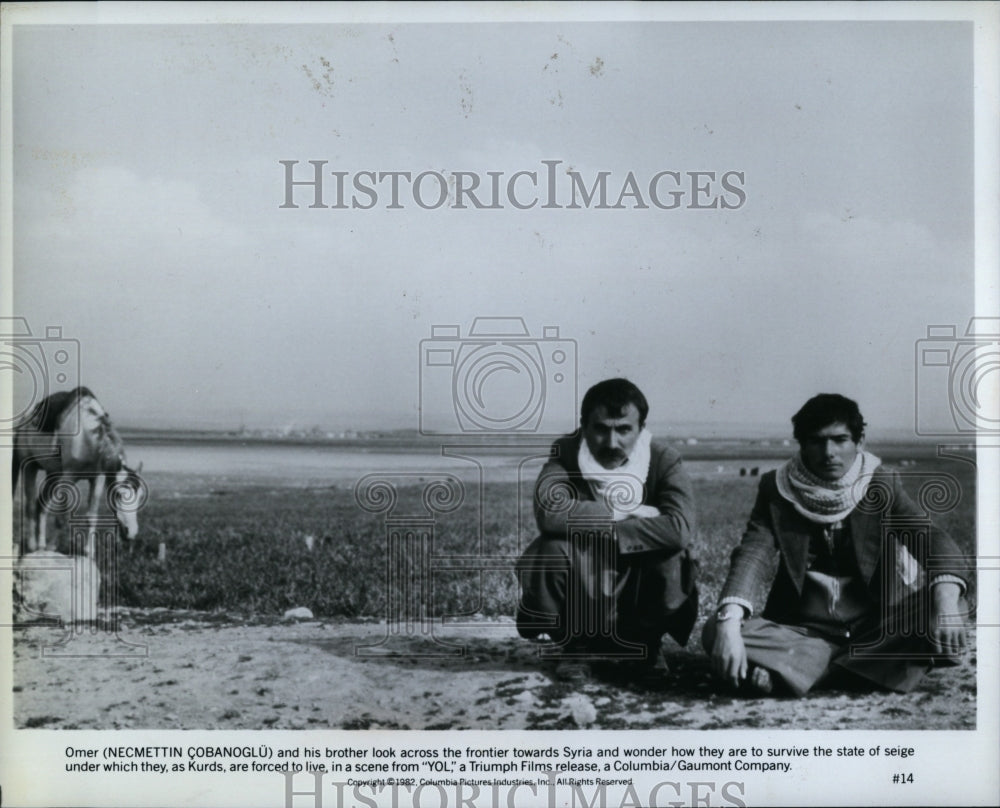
[[570, 664], [572, 671], [759, 681]]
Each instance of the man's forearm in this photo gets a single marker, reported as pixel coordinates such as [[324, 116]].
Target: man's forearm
[[665, 532]]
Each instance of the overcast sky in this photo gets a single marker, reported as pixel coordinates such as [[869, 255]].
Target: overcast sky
[[147, 218]]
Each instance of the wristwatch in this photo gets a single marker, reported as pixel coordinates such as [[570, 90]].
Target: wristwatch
[[728, 614]]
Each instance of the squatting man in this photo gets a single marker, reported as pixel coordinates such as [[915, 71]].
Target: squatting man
[[854, 600], [611, 572]]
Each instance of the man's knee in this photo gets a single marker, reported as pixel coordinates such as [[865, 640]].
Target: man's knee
[[542, 571], [543, 556]]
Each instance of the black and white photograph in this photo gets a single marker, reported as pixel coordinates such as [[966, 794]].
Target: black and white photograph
[[514, 404]]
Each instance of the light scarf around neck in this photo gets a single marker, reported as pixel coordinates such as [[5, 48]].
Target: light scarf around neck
[[624, 488], [826, 501]]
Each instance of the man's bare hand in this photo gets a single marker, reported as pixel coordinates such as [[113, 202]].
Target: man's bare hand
[[947, 619], [729, 654]]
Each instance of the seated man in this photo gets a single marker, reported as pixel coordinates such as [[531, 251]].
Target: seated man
[[611, 572], [865, 586]]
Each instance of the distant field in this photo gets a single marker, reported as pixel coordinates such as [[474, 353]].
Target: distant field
[[245, 548]]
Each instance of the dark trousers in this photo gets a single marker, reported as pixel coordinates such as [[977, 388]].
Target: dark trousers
[[892, 650], [587, 597]]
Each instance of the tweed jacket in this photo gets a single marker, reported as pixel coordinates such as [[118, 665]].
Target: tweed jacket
[[884, 522], [562, 495]]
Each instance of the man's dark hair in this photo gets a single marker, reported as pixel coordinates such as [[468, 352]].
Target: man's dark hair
[[614, 395], [825, 409]]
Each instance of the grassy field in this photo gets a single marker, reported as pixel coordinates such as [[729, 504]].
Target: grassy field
[[246, 550], [238, 555]]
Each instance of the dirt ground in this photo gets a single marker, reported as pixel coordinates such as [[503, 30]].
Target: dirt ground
[[185, 670]]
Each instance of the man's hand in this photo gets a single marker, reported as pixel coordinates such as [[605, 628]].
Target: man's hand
[[947, 619], [729, 654]]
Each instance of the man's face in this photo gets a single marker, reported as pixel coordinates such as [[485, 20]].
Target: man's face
[[830, 452], [610, 438]]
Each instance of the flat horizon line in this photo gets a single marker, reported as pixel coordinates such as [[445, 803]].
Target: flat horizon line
[[679, 432]]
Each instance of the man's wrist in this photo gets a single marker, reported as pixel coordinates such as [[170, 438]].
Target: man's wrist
[[946, 594], [730, 612]]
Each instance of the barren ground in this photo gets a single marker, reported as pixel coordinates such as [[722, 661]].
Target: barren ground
[[186, 670]]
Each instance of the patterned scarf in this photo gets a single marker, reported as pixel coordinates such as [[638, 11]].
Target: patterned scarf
[[624, 488], [826, 501]]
